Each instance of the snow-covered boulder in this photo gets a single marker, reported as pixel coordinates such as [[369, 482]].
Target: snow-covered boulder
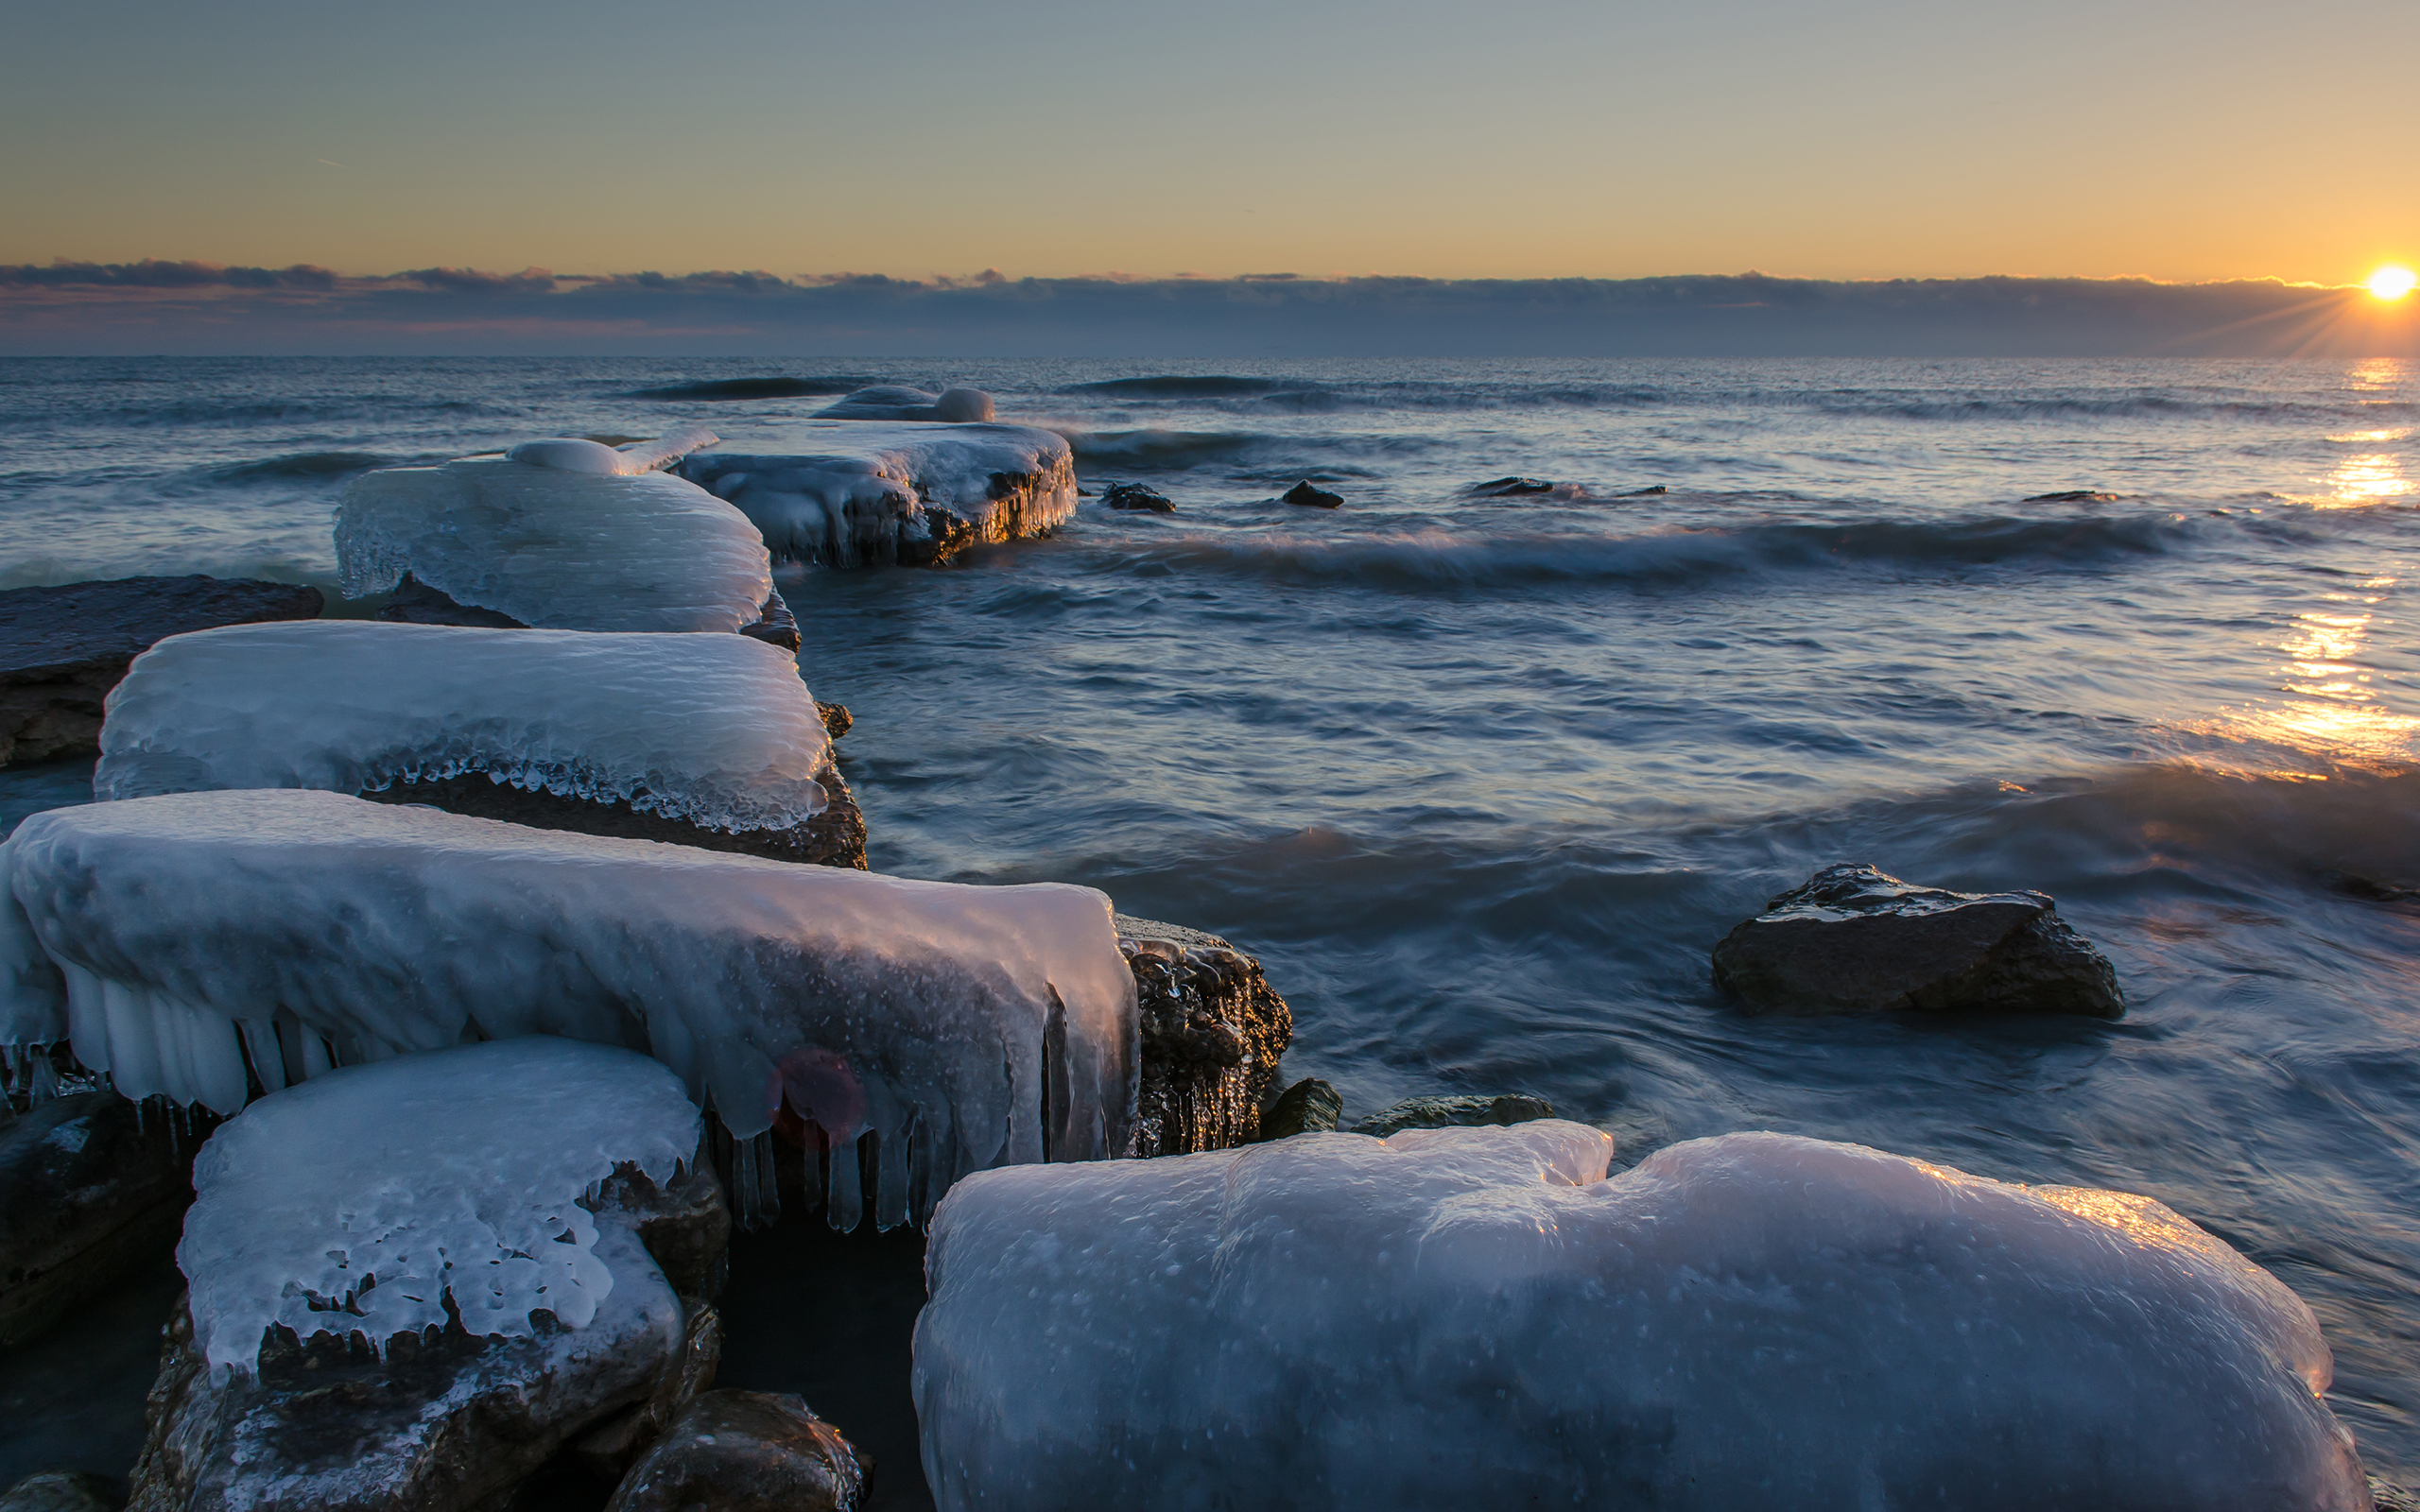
[[853, 494], [900, 402], [565, 535], [715, 736], [191, 942], [412, 1282], [1470, 1317], [1213, 1030]]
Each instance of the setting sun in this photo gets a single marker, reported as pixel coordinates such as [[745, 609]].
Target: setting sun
[[2393, 282]]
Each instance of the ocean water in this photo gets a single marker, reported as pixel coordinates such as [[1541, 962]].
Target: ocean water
[[1482, 780]]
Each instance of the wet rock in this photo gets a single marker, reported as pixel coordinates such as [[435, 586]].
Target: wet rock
[[837, 721], [1509, 488], [1137, 496], [745, 1451], [62, 1491], [1454, 1113], [1213, 1033], [62, 649], [448, 1422], [2073, 496], [899, 401], [414, 602], [1852, 938], [87, 1196], [1308, 1106], [1302, 493], [2384, 1497], [1646, 492]]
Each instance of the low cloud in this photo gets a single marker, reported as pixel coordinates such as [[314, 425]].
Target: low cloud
[[156, 306]]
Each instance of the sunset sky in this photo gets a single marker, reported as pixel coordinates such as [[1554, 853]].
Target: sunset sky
[[1516, 139]]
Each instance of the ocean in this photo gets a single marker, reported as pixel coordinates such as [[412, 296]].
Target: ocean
[[1482, 779]]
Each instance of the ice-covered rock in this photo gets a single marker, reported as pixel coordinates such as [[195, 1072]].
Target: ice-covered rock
[[852, 494], [581, 454], [1475, 1317], [208, 938], [412, 1282], [899, 401], [90, 1192], [1852, 938], [556, 547], [715, 731], [1213, 1030], [61, 650], [744, 1452]]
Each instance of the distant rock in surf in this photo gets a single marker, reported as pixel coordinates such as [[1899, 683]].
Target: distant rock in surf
[[1509, 488], [1855, 940], [898, 402], [1645, 492], [2073, 496], [1137, 496], [62, 649], [1302, 493]]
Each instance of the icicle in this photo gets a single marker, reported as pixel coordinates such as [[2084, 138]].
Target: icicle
[[768, 1177], [844, 1205], [744, 1189]]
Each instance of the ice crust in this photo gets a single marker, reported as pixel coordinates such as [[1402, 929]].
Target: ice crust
[[716, 729], [900, 402], [1477, 1317], [839, 492], [360, 1202], [964, 1026], [555, 546]]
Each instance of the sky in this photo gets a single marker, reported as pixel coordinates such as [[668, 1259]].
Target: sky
[[1514, 139]]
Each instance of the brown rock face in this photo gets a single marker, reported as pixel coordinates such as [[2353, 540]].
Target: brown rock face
[[448, 1422], [1213, 1032], [87, 1195], [744, 1452], [62, 649], [1854, 939]]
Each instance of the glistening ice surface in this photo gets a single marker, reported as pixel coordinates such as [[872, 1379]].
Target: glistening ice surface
[[1475, 1317], [1482, 780]]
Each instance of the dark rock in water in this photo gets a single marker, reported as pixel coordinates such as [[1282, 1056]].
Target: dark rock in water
[[1137, 496], [2073, 496], [836, 837], [2372, 889], [2384, 1497], [1646, 492], [62, 649], [1308, 1106], [1509, 488], [948, 534], [836, 719], [87, 1196], [956, 406], [1302, 493], [1213, 1031], [446, 1423], [414, 602], [1853, 939], [745, 1451], [1454, 1113], [62, 1491]]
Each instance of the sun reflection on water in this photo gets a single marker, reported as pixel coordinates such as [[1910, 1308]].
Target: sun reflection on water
[[2334, 711]]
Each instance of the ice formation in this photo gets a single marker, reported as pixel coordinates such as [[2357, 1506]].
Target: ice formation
[[203, 934], [579, 455], [899, 401], [364, 1200], [571, 536], [849, 493], [1477, 1317], [716, 729]]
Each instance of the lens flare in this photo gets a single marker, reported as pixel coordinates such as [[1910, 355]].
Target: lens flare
[[2393, 283]]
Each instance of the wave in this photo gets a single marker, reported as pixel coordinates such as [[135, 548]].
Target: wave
[[300, 465], [1158, 449], [1439, 558], [1175, 386], [721, 390]]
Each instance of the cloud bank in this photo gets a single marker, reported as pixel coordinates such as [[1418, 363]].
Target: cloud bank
[[190, 307]]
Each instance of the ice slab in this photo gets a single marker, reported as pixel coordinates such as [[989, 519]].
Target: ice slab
[[200, 935], [849, 494], [714, 729], [1477, 1317], [556, 547], [365, 1200], [900, 402]]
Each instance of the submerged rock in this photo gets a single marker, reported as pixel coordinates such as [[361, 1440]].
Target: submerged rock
[[1308, 1106], [745, 1451], [1137, 496], [1509, 488], [1213, 1032], [62, 1491], [1454, 1113], [2073, 496], [899, 401], [1304, 493], [87, 1196], [62, 649], [1852, 938]]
